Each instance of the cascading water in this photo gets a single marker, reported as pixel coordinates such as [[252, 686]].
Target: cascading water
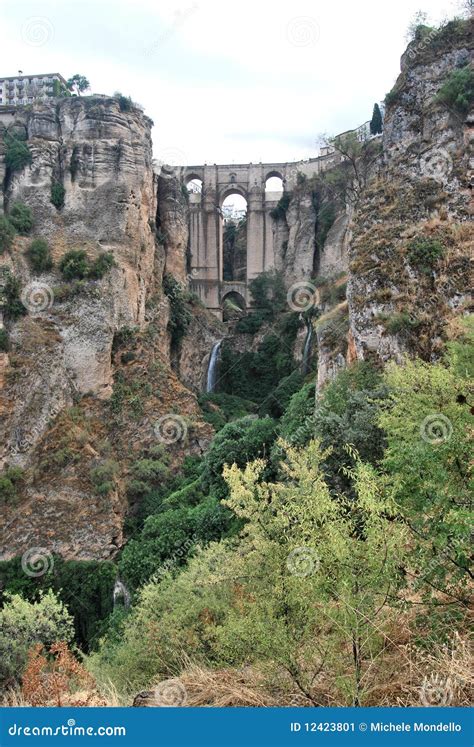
[[212, 367], [121, 594], [307, 349]]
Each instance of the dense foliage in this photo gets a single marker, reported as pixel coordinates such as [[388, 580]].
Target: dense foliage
[[39, 256], [21, 217]]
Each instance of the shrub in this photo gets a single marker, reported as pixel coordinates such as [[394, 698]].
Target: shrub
[[238, 442], [458, 91], [17, 154], [58, 193], [7, 234], [269, 292], [101, 265], [346, 413], [277, 400], [22, 624], [125, 102], [74, 264], [297, 423], [84, 586], [424, 252], [12, 305], [3, 340], [180, 316], [401, 322], [103, 477], [279, 212], [10, 480], [21, 217], [40, 256]]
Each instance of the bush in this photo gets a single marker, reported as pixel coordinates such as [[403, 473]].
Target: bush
[[85, 587], [180, 316], [458, 91], [17, 154], [238, 442], [277, 400], [3, 340], [12, 305], [40, 256], [220, 408], [401, 322], [22, 624], [58, 193], [10, 480], [7, 234], [279, 212], [103, 477], [101, 265], [297, 423], [269, 293], [125, 102], [74, 264], [21, 217], [424, 252], [346, 413]]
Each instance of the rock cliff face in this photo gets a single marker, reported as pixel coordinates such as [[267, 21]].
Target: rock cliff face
[[87, 375], [412, 236]]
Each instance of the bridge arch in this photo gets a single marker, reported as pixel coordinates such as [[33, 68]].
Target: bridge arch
[[263, 236]]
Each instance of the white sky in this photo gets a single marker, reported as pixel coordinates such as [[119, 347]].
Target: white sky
[[224, 82]]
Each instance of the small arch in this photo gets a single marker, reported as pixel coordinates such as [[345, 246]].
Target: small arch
[[273, 184], [229, 191], [272, 174], [233, 306], [194, 184]]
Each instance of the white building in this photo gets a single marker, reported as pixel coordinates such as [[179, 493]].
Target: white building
[[24, 89]]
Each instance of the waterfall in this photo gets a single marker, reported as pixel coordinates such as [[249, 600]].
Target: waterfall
[[212, 368], [307, 349], [121, 594]]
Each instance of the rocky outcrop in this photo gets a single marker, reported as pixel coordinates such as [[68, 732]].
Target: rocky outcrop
[[195, 349], [102, 157], [412, 239], [87, 383], [172, 223]]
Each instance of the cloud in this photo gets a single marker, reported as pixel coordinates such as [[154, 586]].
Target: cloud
[[227, 83]]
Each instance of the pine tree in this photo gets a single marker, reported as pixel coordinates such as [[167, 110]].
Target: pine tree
[[376, 121]]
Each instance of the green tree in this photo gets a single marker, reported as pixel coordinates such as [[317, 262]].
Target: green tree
[[17, 154], [238, 442], [376, 121], [458, 90], [427, 460], [22, 624], [7, 234], [74, 264], [58, 193], [77, 84], [21, 217], [39, 256]]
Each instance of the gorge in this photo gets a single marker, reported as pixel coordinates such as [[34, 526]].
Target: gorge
[[138, 386]]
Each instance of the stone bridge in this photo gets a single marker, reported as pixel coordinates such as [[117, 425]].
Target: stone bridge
[[206, 221]]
